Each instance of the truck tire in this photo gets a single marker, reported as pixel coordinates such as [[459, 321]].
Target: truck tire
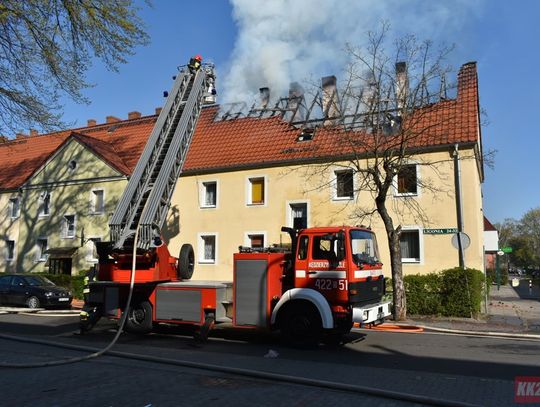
[[139, 318], [186, 262], [301, 325]]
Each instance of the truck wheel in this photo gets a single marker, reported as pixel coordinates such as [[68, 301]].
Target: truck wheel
[[186, 262], [139, 318], [301, 325]]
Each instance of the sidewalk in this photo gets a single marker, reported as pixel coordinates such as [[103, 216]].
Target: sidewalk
[[507, 313]]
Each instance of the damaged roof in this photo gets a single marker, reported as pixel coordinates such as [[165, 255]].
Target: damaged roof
[[245, 142]]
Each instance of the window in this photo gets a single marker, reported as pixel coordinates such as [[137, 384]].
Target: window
[[344, 184], [303, 248], [207, 248], [69, 226], [10, 249], [14, 207], [41, 246], [208, 194], [410, 246], [72, 165], [256, 191], [325, 248], [98, 202], [45, 204], [298, 215], [407, 180], [255, 240]]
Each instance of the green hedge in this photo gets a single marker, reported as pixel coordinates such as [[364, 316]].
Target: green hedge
[[492, 276], [423, 294], [451, 293], [73, 283]]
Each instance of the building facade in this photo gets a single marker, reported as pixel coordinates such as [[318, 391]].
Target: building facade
[[243, 179]]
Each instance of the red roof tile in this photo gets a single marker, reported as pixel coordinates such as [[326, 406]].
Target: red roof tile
[[488, 226], [231, 144], [218, 145], [120, 144]]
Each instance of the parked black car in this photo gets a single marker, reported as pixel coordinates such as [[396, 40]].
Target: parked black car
[[33, 291]]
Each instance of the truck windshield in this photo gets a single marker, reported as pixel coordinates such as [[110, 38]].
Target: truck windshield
[[364, 247]]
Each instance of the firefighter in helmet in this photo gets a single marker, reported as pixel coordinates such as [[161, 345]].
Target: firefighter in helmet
[[195, 63], [89, 315]]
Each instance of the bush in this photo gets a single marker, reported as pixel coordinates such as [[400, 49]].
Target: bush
[[73, 283], [423, 294], [452, 293], [461, 292], [492, 276]]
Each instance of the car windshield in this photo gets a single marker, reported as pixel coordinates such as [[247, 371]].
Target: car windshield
[[38, 281], [364, 247]]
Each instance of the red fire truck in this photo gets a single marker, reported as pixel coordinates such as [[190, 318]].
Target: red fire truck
[[326, 280]]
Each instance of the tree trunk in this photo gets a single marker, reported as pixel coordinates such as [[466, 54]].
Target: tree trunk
[[400, 302], [398, 288]]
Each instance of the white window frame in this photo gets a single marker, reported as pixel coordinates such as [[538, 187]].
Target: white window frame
[[14, 254], [93, 201], [412, 260], [202, 193], [201, 246], [334, 184], [40, 255], [249, 190], [12, 207], [65, 226], [247, 240], [90, 249], [407, 194], [41, 201], [288, 211]]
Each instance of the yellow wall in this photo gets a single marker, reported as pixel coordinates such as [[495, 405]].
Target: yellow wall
[[9, 230], [233, 218], [71, 192]]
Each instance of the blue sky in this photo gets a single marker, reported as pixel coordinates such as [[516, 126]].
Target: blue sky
[[500, 35]]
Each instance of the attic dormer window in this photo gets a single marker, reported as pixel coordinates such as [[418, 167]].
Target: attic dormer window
[[306, 135], [72, 165]]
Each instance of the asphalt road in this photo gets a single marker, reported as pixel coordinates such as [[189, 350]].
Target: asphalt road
[[457, 368]]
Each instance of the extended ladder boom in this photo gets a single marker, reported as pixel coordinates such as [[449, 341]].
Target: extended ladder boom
[[146, 199]]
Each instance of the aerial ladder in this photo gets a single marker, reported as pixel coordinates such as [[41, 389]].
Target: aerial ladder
[[143, 207]]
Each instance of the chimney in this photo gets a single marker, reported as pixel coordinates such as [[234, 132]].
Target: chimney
[[158, 111], [91, 122], [134, 115], [111, 119], [33, 132], [296, 96], [329, 99], [264, 94], [402, 85]]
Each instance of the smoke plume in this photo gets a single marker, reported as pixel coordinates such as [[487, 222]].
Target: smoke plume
[[280, 41]]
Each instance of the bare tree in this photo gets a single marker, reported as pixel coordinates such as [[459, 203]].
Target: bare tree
[[46, 47], [392, 102]]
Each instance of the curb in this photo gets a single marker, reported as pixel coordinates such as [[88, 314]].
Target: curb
[[39, 311], [480, 333]]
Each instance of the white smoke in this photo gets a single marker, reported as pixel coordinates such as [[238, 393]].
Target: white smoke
[[281, 41]]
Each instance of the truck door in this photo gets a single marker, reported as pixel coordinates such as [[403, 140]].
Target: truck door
[[320, 265]]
